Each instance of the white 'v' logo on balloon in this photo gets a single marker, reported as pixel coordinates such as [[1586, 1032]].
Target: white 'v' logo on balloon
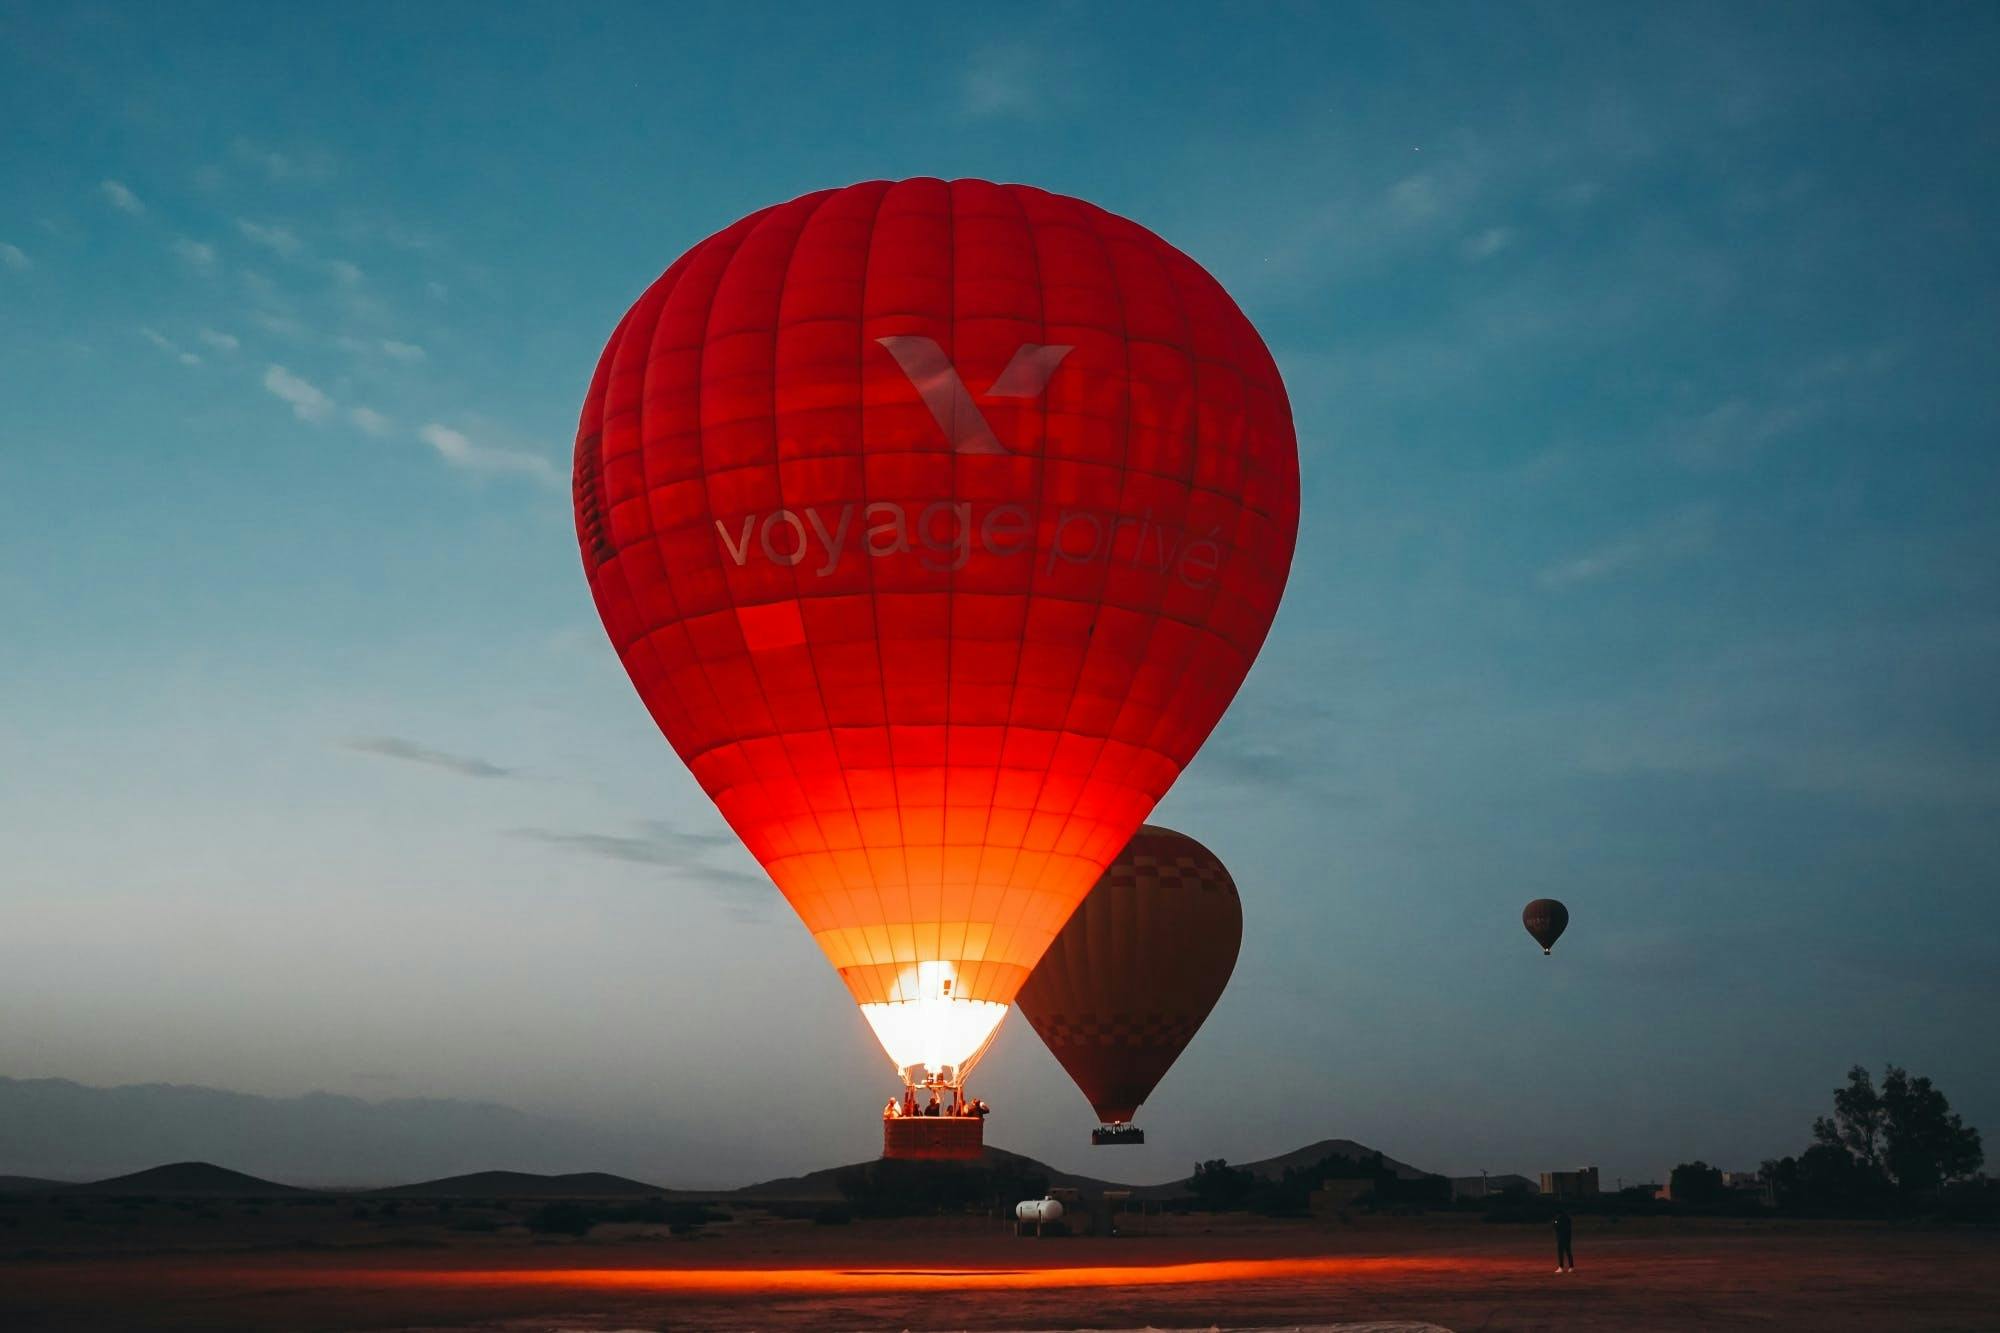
[[937, 381]]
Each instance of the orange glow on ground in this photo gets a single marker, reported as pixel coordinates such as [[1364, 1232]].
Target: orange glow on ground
[[757, 1281]]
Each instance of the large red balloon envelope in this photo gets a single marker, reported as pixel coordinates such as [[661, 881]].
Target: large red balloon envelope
[[936, 523], [1136, 971]]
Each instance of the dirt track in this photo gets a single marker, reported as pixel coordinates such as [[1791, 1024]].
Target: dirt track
[[965, 1274]]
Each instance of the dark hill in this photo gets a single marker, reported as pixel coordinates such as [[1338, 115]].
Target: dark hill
[[526, 1185], [29, 1185], [824, 1184], [187, 1180], [1273, 1167]]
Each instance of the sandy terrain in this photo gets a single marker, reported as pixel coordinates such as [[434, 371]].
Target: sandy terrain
[[241, 1266]]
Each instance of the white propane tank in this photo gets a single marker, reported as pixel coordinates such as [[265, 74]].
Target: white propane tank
[[1037, 1211]]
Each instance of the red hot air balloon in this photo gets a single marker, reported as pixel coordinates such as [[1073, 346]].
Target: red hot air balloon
[[1546, 920], [1130, 979], [936, 524]]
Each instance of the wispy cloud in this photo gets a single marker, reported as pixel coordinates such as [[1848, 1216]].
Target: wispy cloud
[[458, 449], [14, 258], [1275, 743], [170, 347], [1021, 80], [220, 341], [660, 845], [370, 421], [121, 198], [195, 254], [308, 402], [278, 240], [309, 166], [407, 353], [1678, 535], [397, 747], [281, 325], [745, 893], [345, 272], [1736, 431], [1486, 244]]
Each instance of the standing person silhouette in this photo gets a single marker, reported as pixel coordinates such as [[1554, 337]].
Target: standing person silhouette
[[1565, 1260]]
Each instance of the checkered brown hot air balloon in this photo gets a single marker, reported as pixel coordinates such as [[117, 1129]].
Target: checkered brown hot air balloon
[[1133, 975]]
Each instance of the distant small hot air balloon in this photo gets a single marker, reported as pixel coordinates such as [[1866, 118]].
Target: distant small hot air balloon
[[1129, 980], [1546, 919]]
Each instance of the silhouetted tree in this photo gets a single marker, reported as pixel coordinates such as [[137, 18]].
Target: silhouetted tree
[[561, 1219], [1925, 1143], [1217, 1186], [1696, 1184], [1830, 1178], [1782, 1175], [1856, 1124], [1904, 1134]]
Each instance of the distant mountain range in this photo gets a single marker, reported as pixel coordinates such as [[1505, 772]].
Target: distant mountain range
[[52, 1127], [56, 1128], [207, 1181]]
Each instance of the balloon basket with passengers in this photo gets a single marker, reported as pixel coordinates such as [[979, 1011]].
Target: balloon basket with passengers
[[934, 1121]]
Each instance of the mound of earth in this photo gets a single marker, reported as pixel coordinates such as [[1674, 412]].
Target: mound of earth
[[187, 1180], [527, 1185]]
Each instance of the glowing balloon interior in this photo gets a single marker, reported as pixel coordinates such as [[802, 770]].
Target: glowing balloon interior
[[936, 524], [935, 1029]]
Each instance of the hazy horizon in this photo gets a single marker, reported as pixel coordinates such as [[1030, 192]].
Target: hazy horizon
[[1643, 365], [59, 1129]]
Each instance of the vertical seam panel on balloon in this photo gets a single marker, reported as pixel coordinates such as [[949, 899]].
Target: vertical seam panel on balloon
[[874, 596], [649, 625], [701, 435], [648, 641], [951, 575], [780, 732], [798, 585], [1035, 807], [1035, 595], [1040, 458], [1083, 212], [732, 237], [1159, 609], [1201, 625], [777, 463], [679, 616]]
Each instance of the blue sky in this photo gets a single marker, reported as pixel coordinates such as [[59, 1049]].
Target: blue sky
[[1644, 367]]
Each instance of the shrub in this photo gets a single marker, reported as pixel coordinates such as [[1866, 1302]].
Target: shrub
[[561, 1219]]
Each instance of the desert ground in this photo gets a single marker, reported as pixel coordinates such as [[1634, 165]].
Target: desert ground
[[360, 1264]]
